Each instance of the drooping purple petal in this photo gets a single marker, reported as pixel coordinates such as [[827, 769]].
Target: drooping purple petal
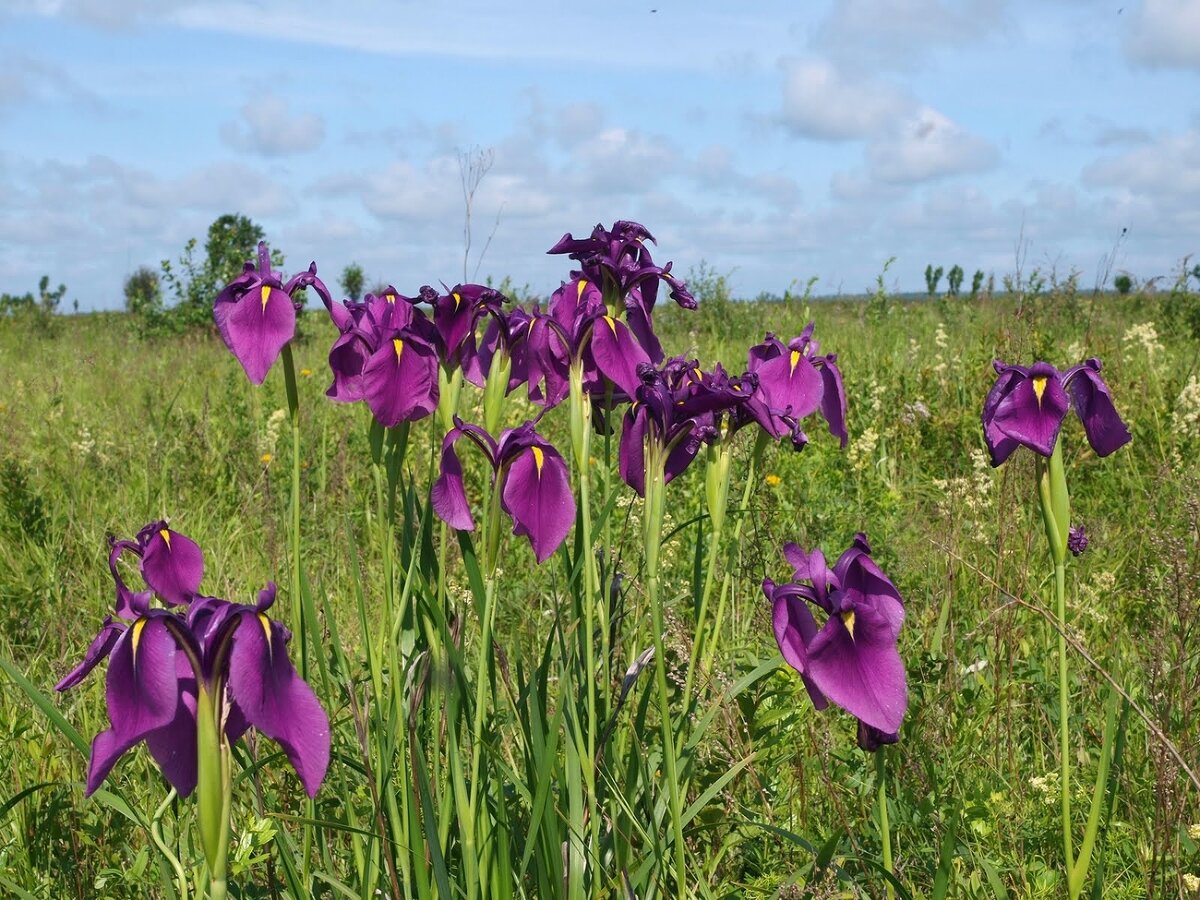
[[1032, 410], [1105, 430], [400, 380], [854, 661], [871, 739], [255, 327], [174, 745], [537, 494], [100, 647], [1000, 445], [142, 692], [631, 452], [275, 700], [795, 628], [172, 565], [448, 495], [833, 397], [617, 354]]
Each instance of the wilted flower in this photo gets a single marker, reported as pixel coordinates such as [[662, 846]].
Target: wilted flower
[[1027, 406], [163, 663], [1077, 540], [852, 658], [530, 475], [256, 314]]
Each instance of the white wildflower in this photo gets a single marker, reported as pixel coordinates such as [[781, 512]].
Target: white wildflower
[[1145, 335]]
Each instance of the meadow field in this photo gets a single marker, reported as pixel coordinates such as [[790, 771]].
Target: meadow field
[[535, 764]]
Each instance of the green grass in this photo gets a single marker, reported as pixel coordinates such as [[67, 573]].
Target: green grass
[[103, 431]]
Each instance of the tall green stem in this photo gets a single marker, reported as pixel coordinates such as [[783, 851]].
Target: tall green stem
[[655, 494], [293, 401], [885, 831]]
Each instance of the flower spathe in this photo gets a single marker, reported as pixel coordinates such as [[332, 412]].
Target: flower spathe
[[163, 662], [851, 658], [1026, 407], [256, 315]]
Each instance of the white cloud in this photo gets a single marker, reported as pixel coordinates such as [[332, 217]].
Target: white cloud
[[1165, 33], [820, 101], [901, 33], [24, 79], [112, 15], [926, 146], [268, 127]]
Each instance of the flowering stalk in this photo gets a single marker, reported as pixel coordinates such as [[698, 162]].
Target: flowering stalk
[[1056, 513], [655, 488], [885, 831]]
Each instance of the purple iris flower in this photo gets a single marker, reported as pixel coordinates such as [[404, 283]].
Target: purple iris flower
[[530, 475], [794, 381], [456, 314], [1027, 406], [385, 356], [578, 330], [674, 413], [256, 314], [852, 658], [618, 262], [161, 662]]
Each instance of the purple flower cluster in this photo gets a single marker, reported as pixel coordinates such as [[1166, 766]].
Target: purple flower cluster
[[164, 660]]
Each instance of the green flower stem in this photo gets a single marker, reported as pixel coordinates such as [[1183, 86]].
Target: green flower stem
[[581, 443], [655, 494], [293, 400], [885, 832], [156, 836], [716, 472], [214, 787], [1056, 513]]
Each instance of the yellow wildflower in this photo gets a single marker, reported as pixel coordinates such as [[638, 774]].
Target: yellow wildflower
[[774, 480], [265, 459]]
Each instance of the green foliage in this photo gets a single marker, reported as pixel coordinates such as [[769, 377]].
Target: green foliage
[[976, 283], [38, 311], [932, 277], [1123, 282], [193, 283], [954, 280], [779, 801], [143, 293], [352, 281]]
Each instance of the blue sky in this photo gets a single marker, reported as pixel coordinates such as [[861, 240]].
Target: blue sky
[[773, 140]]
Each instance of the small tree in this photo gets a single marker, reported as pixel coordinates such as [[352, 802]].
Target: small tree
[[976, 283], [932, 277], [352, 281], [1123, 283], [143, 293], [954, 280]]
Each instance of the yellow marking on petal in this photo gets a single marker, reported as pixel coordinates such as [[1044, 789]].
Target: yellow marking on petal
[[389, 297], [848, 621], [166, 536], [266, 295], [612, 323], [457, 300], [582, 285], [399, 345], [1039, 387], [538, 459], [136, 637], [266, 627], [795, 362]]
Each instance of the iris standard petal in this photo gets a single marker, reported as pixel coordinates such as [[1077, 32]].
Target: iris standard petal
[[854, 661], [256, 327], [172, 565], [142, 692], [1092, 400], [275, 700], [537, 494]]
